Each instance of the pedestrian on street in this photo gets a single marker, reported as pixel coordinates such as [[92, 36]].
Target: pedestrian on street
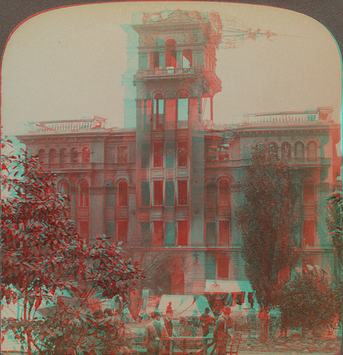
[[221, 331], [153, 334]]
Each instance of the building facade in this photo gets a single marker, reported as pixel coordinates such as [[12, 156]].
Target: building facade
[[170, 183]]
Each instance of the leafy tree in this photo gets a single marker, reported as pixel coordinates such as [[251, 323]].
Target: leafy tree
[[41, 252], [309, 302], [266, 216]]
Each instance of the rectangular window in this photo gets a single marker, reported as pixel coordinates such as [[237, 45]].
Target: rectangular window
[[170, 113], [182, 192], [182, 109], [145, 157], [158, 155], [224, 233], [309, 229], [170, 194], [145, 194], [170, 234], [182, 233], [122, 154], [145, 233], [182, 154], [223, 267], [224, 193], [158, 193], [158, 234], [122, 231], [170, 155], [210, 267], [309, 193], [143, 61], [109, 230], [146, 113], [210, 234]]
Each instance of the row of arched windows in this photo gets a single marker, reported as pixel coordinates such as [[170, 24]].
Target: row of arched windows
[[299, 150], [63, 156], [109, 194]]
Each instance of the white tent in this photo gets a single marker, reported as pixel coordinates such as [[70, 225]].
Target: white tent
[[192, 304], [176, 301]]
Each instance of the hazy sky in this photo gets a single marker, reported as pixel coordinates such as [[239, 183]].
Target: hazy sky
[[67, 63]]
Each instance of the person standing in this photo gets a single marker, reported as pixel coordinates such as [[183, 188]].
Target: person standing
[[221, 335], [168, 323], [205, 321], [153, 333], [264, 321]]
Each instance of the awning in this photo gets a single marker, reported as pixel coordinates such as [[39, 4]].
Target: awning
[[213, 286]]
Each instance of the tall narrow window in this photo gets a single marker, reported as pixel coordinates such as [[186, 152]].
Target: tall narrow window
[[145, 194], [52, 156], [170, 234], [211, 195], [109, 155], [299, 150], [65, 190], [309, 228], [63, 156], [224, 190], [182, 233], [143, 61], [170, 155], [158, 233], [109, 194], [122, 194], [182, 192], [84, 194], [122, 154], [158, 111], [41, 156], [84, 230], [170, 195], [210, 266], [223, 267], [109, 230], [182, 154], [145, 156], [86, 155], [312, 150], [146, 112], [182, 112], [210, 234], [74, 156], [158, 193], [158, 155], [170, 114], [187, 59], [171, 54], [145, 233], [273, 150], [122, 231], [286, 151], [224, 233], [194, 109]]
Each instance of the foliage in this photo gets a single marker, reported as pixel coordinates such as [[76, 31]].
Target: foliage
[[266, 216], [309, 301], [334, 222], [41, 252]]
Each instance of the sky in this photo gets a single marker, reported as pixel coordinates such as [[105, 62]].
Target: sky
[[67, 64]]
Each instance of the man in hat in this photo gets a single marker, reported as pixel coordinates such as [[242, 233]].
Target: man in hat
[[153, 333], [221, 335], [206, 320]]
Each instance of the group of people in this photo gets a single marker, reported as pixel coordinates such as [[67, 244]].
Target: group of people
[[159, 331]]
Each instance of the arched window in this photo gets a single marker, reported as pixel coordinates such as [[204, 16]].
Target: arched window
[[312, 150], [109, 194], [122, 194], [273, 150], [171, 61], [86, 155], [41, 156], [84, 194], [63, 156], [52, 156], [286, 151], [211, 195], [65, 190], [299, 150], [73, 155], [224, 192], [260, 147]]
